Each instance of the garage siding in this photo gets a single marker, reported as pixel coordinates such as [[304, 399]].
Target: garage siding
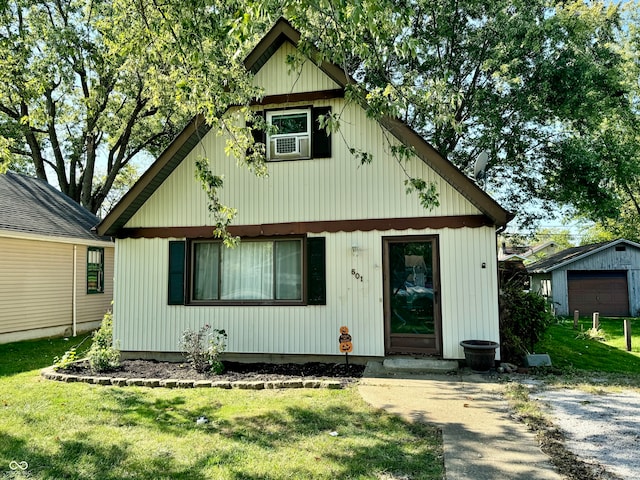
[[621, 257]]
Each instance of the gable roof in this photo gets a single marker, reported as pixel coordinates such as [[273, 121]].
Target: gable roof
[[571, 255], [282, 32], [30, 206]]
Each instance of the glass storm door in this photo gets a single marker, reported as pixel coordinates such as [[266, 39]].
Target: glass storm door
[[412, 309]]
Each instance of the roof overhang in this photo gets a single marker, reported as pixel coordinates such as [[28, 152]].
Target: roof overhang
[[36, 237]]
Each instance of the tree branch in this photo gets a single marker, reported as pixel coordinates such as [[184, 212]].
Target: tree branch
[[20, 151], [627, 189], [14, 114], [34, 145], [55, 142]]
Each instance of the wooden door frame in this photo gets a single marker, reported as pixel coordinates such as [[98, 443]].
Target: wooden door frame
[[437, 310]]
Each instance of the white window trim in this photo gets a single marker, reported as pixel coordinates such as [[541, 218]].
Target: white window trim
[[303, 151]]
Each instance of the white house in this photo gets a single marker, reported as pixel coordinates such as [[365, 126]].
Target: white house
[[325, 242]]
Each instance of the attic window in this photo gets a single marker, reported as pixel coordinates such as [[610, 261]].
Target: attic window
[[621, 248], [297, 134], [291, 136]]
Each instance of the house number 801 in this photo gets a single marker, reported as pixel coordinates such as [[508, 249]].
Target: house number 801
[[357, 275]]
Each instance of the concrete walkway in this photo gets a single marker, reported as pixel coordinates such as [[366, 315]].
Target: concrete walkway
[[481, 441]]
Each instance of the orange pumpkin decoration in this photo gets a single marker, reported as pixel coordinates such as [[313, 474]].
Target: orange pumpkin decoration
[[346, 347], [344, 330]]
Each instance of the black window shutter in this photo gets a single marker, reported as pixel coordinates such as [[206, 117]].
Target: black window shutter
[[177, 252], [320, 142], [259, 135], [316, 271]]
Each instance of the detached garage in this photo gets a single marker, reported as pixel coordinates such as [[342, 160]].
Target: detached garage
[[602, 277]]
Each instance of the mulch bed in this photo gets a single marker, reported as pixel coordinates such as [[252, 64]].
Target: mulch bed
[[234, 371]]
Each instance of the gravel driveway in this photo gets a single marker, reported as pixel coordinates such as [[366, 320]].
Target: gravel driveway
[[600, 428]]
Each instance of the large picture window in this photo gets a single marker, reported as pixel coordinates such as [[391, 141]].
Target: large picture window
[[261, 271]]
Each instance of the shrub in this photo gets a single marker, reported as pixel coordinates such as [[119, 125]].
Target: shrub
[[202, 349], [524, 317], [102, 355], [65, 361], [592, 334]]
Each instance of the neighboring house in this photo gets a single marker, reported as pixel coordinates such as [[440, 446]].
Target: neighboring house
[[602, 277], [56, 275], [526, 253], [326, 242]]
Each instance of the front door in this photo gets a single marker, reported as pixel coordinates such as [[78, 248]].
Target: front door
[[411, 296]]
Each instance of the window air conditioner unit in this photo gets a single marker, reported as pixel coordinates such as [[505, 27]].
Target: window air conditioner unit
[[289, 146]]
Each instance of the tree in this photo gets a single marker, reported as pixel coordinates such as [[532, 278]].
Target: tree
[[597, 166], [125, 179], [515, 79], [77, 90], [518, 79], [87, 86], [627, 225], [510, 78]]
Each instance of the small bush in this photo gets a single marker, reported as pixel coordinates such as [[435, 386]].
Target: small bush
[[524, 317], [102, 355], [593, 334], [202, 349], [65, 361], [74, 354]]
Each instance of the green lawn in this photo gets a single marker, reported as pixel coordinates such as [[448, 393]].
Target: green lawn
[[81, 431], [567, 348]]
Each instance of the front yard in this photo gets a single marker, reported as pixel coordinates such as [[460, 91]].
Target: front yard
[[83, 431]]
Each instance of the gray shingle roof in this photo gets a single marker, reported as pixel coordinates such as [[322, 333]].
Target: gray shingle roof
[[571, 255], [32, 206]]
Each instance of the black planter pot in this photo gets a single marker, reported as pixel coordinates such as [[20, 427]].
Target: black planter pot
[[479, 354]]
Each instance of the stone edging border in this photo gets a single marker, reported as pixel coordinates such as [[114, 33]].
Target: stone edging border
[[50, 374]]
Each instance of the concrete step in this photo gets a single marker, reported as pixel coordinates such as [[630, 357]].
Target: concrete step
[[419, 365]]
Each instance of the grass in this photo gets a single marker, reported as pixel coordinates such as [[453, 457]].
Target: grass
[[571, 348], [82, 431]]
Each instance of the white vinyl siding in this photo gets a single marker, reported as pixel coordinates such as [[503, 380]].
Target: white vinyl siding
[[313, 190], [277, 78], [468, 294], [336, 188]]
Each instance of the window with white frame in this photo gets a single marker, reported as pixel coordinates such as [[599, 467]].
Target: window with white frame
[[259, 270], [289, 135]]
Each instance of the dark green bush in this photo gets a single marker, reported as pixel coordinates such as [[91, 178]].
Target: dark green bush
[[524, 317]]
